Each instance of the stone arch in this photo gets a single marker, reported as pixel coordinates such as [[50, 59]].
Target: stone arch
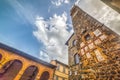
[[10, 69], [30, 73], [45, 75]]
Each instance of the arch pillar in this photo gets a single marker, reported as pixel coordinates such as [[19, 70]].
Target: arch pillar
[[5, 58], [51, 76], [3, 62], [18, 76], [39, 74]]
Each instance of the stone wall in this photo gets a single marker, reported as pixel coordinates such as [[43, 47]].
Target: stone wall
[[98, 47]]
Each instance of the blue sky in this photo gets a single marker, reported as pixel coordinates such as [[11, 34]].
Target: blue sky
[[19, 24], [41, 27]]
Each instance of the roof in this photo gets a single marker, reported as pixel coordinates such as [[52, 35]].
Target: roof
[[18, 52], [60, 63], [69, 39]]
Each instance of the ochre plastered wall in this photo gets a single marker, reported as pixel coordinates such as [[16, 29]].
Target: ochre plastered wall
[[8, 56], [59, 71]]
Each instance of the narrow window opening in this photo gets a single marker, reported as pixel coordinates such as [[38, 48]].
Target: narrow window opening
[[76, 57], [87, 37]]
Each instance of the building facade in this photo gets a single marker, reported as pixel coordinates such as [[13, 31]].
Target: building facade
[[61, 72], [115, 4], [16, 65], [93, 49]]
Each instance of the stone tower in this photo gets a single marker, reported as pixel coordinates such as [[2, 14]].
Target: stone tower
[[114, 4], [93, 49]]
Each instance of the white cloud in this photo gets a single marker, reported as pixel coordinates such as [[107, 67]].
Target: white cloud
[[44, 56], [102, 13], [59, 2], [66, 1], [53, 34]]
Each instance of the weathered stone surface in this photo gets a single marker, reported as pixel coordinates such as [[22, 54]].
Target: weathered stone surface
[[118, 71], [100, 42], [113, 72]]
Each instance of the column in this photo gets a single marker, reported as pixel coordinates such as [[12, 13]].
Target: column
[[24, 67]]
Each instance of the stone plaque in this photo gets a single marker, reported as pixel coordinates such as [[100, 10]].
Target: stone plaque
[[98, 55], [91, 46], [88, 55], [82, 52], [97, 41], [82, 44], [86, 48], [97, 32], [103, 37]]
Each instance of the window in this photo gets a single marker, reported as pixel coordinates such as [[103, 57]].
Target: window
[[82, 52], [75, 72], [97, 32], [74, 42], [66, 70], [76, 57], [63, 79], [97, 41], [56, 78], [91, 46], [103, 37], [86, 48], [58, 66], [7, 73], [0, 57], [98, 55], [82, 44], [88, 55], [70, 72], [87, 37], [63, 69], [30, 73]]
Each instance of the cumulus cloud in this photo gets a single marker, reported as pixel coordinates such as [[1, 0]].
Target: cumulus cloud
[[59, 2], [101, 12], [53, 34]]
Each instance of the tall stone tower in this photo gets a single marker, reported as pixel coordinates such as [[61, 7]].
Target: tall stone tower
[[93, 49], [114, 4]]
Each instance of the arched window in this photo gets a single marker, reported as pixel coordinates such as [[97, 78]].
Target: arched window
[[10, 70], [87, 37], [0, 57], [74, 42], [76, 58], [45, 75], [30, 73]]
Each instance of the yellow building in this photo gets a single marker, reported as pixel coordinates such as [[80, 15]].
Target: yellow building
[[61, 72], [17, 65], [93, 49], [115, 4]]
